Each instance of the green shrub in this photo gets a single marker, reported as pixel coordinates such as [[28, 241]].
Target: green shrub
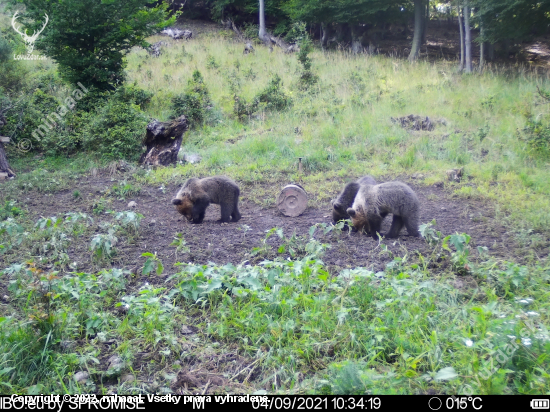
[[134, 95], [194, 103], [29, 116], [273, 96], [116, 131], [12, 73], [537, 135], [250, 31], [307, 77], [9, 210]]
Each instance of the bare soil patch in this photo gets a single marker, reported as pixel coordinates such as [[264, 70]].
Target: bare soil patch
[[228, 242]]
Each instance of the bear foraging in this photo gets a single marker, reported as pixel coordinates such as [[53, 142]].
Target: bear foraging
[[345, 199], [196, 194], [373, 203]]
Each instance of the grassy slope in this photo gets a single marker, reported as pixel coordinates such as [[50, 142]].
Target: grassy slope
[[345, 127], [294, 321]]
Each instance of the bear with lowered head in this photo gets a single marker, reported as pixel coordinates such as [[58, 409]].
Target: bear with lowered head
[[345, 199], [374, 202], [197, 194]]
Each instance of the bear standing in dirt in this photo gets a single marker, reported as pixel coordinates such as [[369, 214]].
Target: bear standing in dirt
[[196, 194], [373, 203], [345, 199]]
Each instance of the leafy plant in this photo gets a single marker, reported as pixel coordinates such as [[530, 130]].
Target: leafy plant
[[103, 244], [537, 135], [194, 103], [307, 77], [459, 259], [130, 220], [272, 98], [153, 263], [428, 232], [180, 244], [9, 210]]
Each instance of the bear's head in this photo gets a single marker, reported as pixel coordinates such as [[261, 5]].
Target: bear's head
[[338, 212], [359, 219], [184, 205]]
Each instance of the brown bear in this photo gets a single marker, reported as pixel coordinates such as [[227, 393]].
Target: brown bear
[[196, 194], [345, 199], [373, 203]]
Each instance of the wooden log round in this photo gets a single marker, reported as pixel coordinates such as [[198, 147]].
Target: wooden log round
[[292, 200]]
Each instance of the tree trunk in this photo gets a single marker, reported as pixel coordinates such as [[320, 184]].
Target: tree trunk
[[262, 33], [490, 52], [356, 46], [419, 12], [425, 23], [467, 38], [481, 48], [163, 141], [461, 26], [324, 35]]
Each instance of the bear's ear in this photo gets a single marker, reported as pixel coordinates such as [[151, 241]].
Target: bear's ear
[[351, 212], [176, 201]]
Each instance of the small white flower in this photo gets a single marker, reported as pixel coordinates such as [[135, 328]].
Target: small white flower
[[526, 341], [469, 343]]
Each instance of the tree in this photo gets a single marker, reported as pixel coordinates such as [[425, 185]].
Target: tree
[[419, 12], [461, 28], [511, 19], [262, 33], [89, 38], [350, 16], [467, 38]]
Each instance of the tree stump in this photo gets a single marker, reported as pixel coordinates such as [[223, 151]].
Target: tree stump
[[5, 170], [163, 141], [292, 201]]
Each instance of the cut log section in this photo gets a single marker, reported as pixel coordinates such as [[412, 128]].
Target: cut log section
[[292, 201], [163, 141]]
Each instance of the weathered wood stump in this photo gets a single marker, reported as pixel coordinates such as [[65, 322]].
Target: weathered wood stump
[[163, 141], [5, 170], [292, 201]]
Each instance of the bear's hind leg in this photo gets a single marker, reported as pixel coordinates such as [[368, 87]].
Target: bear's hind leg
[[236, 215], [412, 227], [226, 212], [396, 226]]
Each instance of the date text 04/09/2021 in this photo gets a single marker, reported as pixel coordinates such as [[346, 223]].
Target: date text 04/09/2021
[[318, 402]]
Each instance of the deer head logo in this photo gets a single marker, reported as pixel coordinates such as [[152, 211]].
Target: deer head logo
[[29, 40]]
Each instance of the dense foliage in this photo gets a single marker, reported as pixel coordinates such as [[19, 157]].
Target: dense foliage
[[89, 38]]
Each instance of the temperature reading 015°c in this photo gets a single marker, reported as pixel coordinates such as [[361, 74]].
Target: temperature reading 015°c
[[463, 402]]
